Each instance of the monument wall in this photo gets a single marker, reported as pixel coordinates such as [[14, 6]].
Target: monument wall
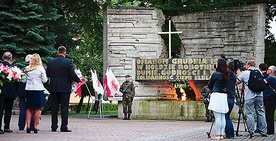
[[237, 32], [132, 33]]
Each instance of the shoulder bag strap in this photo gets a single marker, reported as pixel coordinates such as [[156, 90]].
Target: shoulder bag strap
[[272, 88]]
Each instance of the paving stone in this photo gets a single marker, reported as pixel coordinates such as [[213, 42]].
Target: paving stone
[[114, 129]]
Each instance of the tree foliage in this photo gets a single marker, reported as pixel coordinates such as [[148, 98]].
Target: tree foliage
[[89, 54], [25, 28], [29, 26]]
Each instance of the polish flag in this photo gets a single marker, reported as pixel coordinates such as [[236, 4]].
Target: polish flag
[[111, 84], [78, 85], [96, 83]]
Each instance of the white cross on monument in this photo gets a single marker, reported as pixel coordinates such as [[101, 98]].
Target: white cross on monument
[[170, 33]]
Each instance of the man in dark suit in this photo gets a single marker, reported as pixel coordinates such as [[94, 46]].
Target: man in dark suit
[[7, 97], [61, 72]]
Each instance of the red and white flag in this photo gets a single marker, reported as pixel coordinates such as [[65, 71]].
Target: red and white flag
[[96, 83], [111, 84], [77, 86]]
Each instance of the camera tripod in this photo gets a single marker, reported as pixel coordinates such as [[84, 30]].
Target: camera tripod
[[240, 104], [209, 133]]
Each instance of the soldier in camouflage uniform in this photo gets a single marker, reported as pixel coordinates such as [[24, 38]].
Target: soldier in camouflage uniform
[[128, 90]]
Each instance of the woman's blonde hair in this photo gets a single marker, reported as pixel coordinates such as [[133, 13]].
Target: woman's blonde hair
[[35, 61]]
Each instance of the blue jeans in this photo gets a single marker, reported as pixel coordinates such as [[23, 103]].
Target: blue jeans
[[229, 128], [251, 105]]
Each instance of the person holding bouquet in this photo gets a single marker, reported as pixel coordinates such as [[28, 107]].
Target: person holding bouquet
[[8, 96], [36, 76]]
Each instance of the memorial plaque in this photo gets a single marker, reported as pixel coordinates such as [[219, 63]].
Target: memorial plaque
[[174, 69]]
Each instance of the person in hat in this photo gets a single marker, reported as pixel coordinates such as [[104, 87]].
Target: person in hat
[[128, 90], [21, 93]]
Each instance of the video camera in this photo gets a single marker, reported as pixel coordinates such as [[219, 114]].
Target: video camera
[[236, 62], [206, 98]]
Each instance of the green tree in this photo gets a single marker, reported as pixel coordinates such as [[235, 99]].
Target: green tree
[[25, 28], [88, 55]]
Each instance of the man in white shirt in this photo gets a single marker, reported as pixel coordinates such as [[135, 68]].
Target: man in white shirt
[[253, 101]]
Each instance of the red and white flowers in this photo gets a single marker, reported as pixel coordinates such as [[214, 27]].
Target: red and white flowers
[[9, 73]]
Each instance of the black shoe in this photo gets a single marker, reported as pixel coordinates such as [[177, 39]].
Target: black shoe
[[1, 131], [125, 117], [35, 130], [8, 130], [54, 130], [263, 134], [65, 130], [229, 137], [251, 135], [128, 117], [28, 130]]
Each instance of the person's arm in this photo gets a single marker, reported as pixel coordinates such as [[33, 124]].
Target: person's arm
[[132, 89], [240, 77], [48, 70], [238, 82], [212, 81], [121, 87], [43, 75], [72, 73], [268, 80]]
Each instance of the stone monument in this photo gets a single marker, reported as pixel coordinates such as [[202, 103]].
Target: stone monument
[[133, 46]]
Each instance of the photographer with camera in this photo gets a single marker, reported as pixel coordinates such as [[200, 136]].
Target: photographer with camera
[[128, 90], [218, 99], [253, 100]]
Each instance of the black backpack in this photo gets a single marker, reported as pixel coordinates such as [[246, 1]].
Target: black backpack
[[256, 81]]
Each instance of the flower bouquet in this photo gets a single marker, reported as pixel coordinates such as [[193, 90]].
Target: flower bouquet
[[8, 74]]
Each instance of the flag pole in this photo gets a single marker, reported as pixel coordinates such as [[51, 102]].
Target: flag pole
[[91, 102], [100, 106]]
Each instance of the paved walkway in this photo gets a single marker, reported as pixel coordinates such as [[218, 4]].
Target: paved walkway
[[113, 129]]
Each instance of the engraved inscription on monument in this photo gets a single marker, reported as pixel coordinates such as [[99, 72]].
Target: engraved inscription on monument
[[175, 69]]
